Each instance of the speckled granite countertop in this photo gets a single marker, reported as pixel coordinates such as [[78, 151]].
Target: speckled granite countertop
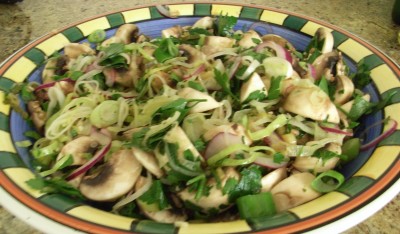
[[369, 19]]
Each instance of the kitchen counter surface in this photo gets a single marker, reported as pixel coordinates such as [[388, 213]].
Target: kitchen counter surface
[[369, 19]]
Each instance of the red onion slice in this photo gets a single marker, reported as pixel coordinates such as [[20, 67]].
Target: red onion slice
[[384, 135], [312, 71], [221, 141], [165, 11], [279, 50], [269, 162], [199, 70], [51, 84], [234, 67], [89, 164], [336, 130]]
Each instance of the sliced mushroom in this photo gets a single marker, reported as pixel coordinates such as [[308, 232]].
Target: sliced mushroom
[[38, 116], [325, 64], [148, 161], [323, 34], [194, 55], [116, 178], [74, 50], [216, 200], [209, 104], [111, 40], [235, 129], [344, 89], [249, 39], [318, 165], [253, 84], [77, 148], [279, 40], [205, 23], [311, 102], [160, 79], [177, 136], [214, 44], [273, 178], [127, 32], [293, 191], [126, 77], [167, 215], [175, 31]]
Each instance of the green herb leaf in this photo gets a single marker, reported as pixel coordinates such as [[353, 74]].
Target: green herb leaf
[[224, 25], [360, 106], [278, 157], [166, 50], [249, 183], [275, 89], [325, 155], [54, 185], [112, 56], [223, 80], [362, 77], [155, 195]]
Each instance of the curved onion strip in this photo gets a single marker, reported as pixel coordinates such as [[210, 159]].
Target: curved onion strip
[[96, 158], [130, 198], [250, 69], [234, 67], [51, 84], [279, 50], [199, 70], [336, 130], [374, 142], [221, 53]]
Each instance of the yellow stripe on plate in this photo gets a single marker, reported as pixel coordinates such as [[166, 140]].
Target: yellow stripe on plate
[[384, 78], [273, 17], [183, 9], [394, 112], [52, 44], [379, 161], [101, 217], [6, 142], [310, 28], [5, 109], [19, 176], [136, 15], [354, 50], [88, 27], [20, 70], [320, 204], [226, 227], [226, 9]]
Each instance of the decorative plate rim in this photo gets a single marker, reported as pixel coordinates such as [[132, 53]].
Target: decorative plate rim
[[387, 180]]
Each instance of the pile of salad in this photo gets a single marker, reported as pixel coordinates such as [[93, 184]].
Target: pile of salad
[[204, 123]]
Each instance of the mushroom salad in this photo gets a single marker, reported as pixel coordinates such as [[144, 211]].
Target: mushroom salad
[[206, 122]]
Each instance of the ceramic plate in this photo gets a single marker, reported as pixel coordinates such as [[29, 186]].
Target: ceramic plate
[[372, 179]]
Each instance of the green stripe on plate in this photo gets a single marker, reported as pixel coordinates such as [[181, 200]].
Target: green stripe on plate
[[393, 139], [339, 38], [395, 98], [294, 22], [355, 185], [6, 84], [9, 160], [35, 55], [202, 9], [4, 125], [73, 34], [116, 19], [269, 222], [59, 202], [371, 61], [154, 13], [251, 13], [148, 226]]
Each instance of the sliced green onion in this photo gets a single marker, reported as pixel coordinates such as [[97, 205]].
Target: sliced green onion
[[23, 144], [105, 114], [327, 181], [351, 148], [97, 36], [60, 164], [255, 206], [280, 121], [230, 162], [226, 152]]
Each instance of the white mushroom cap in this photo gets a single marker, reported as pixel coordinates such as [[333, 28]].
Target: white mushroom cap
[[175, 31], [273, 178], [74, 50], [324, 34], [148, 161], [344, 89], [214, 44], [293, 191], [127, 32], [248, 39], [117, 177], [311, 102], [205, 23], [77, 148], [209, 104]]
